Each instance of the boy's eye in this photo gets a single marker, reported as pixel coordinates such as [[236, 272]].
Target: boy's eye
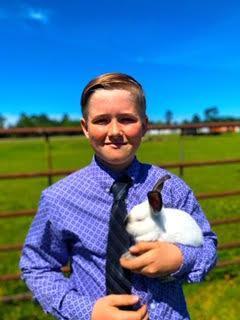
[[127, 120], [101, 121]]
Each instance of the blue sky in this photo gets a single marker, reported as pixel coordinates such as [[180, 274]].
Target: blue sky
[[186, 53]]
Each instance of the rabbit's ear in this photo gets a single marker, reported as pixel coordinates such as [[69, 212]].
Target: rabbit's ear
[[155, 201], [159, 185]]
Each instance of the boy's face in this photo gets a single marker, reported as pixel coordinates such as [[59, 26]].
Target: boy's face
[[114, 127]]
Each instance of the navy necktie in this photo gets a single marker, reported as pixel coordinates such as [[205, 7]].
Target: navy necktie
[[118, 279]]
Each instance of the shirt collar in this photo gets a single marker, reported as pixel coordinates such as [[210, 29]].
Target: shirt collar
[[105, 176]]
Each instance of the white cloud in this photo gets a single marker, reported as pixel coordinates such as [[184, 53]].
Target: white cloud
[[37, 15], [30, 14], [11, 119]]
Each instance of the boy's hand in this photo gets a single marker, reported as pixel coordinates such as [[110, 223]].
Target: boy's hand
[[108, 308], [153, 259]]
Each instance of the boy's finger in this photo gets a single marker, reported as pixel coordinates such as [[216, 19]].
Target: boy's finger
[[118, 300], [138, 263], [146, 317], [143, 246], [140, 314], [143, 312]]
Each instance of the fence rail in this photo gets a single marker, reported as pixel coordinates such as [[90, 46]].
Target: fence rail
[[203, 196], [61, 172], [66, 269], [17, 213], [180, 165]]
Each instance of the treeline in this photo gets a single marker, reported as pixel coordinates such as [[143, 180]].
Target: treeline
[[40, 120], [210, 114], [43, 120]]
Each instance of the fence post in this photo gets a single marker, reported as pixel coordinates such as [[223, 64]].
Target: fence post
[[49, 156], [181, 153]]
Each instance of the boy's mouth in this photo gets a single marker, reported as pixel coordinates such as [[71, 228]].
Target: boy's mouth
[[116, 144]]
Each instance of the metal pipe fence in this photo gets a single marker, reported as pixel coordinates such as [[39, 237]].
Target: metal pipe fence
[[48, 132]]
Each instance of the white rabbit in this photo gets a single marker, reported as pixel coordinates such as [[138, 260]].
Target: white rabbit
[[151, 221]]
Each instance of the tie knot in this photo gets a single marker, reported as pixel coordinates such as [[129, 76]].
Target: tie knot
[[120, 187]]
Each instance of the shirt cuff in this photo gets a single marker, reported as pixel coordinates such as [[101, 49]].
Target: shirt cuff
[[75, 307], [189, 254]]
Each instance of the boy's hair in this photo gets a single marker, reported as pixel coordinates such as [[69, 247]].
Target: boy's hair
[[110, 81]]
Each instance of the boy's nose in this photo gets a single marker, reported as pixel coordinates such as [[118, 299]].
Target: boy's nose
[[115, 129]]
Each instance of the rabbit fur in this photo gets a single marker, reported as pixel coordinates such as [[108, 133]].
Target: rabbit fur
[[167, 224]]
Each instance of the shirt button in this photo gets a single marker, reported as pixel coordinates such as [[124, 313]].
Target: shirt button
[[108, 190], [152, 306]]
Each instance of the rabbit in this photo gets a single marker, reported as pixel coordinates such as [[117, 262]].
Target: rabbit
[[151, 221]]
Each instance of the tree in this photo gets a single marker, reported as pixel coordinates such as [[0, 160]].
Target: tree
[[2, 121], [169, 116], [211, 113], [24, 121], [41, 120], [196, 118], [65, 120]]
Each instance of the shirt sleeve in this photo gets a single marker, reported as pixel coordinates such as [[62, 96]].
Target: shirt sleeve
[[197, 261], [43, 255]]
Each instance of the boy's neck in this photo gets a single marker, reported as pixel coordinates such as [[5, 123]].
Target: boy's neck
[[113, 168]]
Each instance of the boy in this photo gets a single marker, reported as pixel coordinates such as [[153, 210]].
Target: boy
[[72, 223]]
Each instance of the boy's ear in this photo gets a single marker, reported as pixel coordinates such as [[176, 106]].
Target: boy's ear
[[144, 125], [84, 127]]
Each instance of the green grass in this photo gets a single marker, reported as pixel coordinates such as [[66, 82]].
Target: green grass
[[216, 298]]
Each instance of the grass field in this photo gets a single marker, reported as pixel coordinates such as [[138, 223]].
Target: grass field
[[216, 298]]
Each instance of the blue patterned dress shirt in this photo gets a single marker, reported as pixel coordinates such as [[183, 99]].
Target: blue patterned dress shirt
[[72, 225]]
